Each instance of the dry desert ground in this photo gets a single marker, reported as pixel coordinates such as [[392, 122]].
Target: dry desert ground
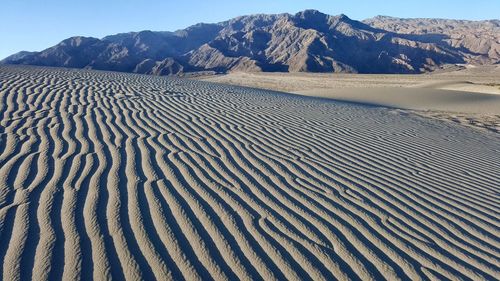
[[468, 96], [118, 176]]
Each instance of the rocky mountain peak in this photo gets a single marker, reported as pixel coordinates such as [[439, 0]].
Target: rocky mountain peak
[[307, 41]]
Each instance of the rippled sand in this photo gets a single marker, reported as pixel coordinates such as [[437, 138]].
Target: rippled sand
[[108, 175], [469, 97]]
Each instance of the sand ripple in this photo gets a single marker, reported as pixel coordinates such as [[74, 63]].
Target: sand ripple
[[108, 175]]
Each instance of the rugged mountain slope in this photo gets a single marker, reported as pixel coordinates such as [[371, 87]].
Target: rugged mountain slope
[[479, 40], [309, 41]]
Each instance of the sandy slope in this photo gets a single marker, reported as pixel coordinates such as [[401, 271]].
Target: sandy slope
[[416, 98], [465, 91], [116, 175], [470, 97]]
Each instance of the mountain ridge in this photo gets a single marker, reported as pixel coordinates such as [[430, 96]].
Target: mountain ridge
[[309, 41]]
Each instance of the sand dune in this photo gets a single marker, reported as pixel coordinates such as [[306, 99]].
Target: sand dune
[[417, 98], [460, 91], [469, 97], [107, 175]]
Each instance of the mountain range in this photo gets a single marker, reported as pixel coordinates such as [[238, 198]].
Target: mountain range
[[309, 41]]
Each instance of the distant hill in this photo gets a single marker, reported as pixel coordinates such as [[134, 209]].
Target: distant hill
[[309, 41]]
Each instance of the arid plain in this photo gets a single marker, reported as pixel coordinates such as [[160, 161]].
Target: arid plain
[[109, 175]]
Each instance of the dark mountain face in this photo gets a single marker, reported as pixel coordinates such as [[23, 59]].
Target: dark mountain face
[[309, 41]]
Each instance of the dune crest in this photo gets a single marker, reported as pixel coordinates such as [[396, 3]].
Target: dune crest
[[110, 175]]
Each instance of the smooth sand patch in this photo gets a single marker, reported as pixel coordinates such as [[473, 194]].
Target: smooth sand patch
[[418, 98]]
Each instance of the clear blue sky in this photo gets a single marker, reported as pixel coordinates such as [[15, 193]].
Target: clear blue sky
[[34, 25]]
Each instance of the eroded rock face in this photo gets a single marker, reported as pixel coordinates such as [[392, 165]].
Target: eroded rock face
[[309, 41], [479, 41]]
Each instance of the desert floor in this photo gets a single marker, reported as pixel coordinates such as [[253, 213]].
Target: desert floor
[[110, 175], [470, 96]]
